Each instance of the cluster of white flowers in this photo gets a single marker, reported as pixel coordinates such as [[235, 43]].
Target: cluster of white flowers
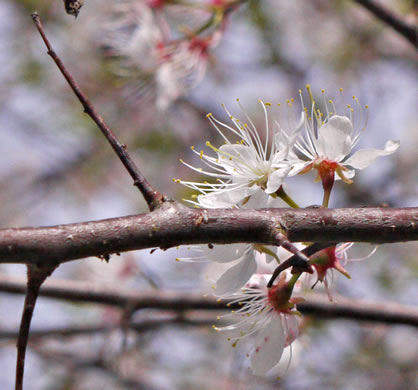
[[248, 171], [165, 62]]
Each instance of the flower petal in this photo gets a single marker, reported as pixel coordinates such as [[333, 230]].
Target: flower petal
[[334, 138], [275, 179], [236, 276], [269, 346], [364, 157], [235, 156], [225, 253]]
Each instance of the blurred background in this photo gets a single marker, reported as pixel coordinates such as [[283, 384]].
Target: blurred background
[[56, 168]]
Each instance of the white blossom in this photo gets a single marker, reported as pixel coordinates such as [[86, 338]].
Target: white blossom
[[242, 167], [270, 314], [242, 256], [329, 140]]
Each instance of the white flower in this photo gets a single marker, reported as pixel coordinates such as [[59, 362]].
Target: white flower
[[269, 313], [333, 258], [149, 50], [243, 256], [135, 36], [241, 168], [329, 141]]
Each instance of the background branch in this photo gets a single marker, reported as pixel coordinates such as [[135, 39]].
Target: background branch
[[173, 224], [315, 305], [386, 16]]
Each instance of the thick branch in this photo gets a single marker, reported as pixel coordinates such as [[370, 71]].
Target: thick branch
[[173, 224], [151, 196], [386, 16], [315, 305]]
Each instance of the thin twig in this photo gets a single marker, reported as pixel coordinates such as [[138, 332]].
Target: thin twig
[[286, 244], [315, 304], [36, 276], [386, 16], [296, 263], [151, 324], [153, 198]]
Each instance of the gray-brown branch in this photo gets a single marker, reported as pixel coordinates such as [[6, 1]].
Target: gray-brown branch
[[174, 224], [316, 305]]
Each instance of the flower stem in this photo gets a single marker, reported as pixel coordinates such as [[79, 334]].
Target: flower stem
[[281, 193], [325, 200]]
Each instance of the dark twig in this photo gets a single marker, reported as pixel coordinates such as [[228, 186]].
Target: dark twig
[[296, 263], [286, 244], [174, 301], [36, 276], [406, 30], [151, 196], [173, 224]]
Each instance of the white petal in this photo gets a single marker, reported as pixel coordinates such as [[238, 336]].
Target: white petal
[[292, 326], [268, 347], [233, 156], [364, 157], [236, 276], [334, 138], [224, 253], [298, 166], [276, 179]]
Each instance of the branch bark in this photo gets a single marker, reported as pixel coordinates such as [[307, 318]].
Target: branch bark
[[315, 305], [174, 224]]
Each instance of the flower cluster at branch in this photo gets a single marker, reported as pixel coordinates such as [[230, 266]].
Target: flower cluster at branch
[[249, 171], [164, 45]]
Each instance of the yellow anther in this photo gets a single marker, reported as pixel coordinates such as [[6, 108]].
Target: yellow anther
[[201, 154], [322, 91], [366, 106], [267, 104], [341, 90], [292, 100], [177, 259], [209, 115]]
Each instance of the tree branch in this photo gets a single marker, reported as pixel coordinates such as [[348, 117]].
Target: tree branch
[[35, 277], [315, 304], [386, 16], [151, 196], [137, 326], [174, 224]]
